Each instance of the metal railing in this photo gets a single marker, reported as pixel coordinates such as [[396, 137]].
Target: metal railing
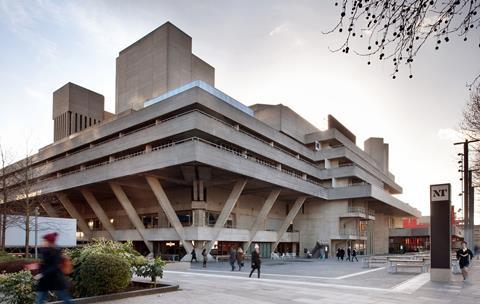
[[179, 142], [352, 209], [352, 232], [157, 122]]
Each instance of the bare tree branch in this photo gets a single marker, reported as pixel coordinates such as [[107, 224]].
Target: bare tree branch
[[397, 30]]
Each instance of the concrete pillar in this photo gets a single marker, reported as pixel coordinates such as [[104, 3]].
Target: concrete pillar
[[72, 211], [131, 213], [334, 182], [226, 211], [200, 190], [328, 165], [262, 215], [195, 190], [166, 206], [49, 209], [289, 219], [98, 210]]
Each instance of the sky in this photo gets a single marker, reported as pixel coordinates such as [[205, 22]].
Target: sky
[[263, 52]]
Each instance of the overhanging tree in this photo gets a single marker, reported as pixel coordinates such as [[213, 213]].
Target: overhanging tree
[[397, 30]]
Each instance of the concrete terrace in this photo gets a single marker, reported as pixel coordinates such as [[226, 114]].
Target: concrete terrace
[[311, 281]]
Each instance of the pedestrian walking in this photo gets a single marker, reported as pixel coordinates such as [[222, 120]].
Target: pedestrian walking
[[240, 258], [342, 253], [256, 262], [205, 257], [349, 253], [194, 256], [464, 257], [338, 254], [51, 277], [232, 258], [354, 254]]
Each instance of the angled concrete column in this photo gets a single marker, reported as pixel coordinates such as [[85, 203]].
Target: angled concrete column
[[226, 211], [131, 213], [49, 209], [82, 225], [290, 217], [165, 204], [98, 210], [262, 215]]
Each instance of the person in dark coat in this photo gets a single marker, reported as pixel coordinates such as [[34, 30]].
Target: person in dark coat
[[354, 254], [194, 256], [464, 257], [205, 257], [232, 258], [338, 254], [342, 254], [349, 253], [51, 277], [256, 262]]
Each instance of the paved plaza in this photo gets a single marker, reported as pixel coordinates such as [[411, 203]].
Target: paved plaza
[[311, 281]]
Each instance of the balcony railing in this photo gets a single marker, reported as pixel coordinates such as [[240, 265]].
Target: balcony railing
[[355, 211], [352, 232]]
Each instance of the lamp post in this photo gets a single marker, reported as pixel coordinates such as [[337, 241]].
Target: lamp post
[[468, 205], [36, 233]]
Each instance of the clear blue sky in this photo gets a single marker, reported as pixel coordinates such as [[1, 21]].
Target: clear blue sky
[[263, 51]]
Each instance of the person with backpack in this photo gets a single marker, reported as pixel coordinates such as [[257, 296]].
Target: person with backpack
[[51, 276]]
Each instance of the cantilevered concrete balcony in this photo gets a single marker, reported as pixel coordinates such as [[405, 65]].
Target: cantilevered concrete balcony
[[177, 153], [351, 234], [359, 212], [378, 195]]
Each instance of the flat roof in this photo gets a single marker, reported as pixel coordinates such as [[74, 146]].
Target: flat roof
[[206, 87]]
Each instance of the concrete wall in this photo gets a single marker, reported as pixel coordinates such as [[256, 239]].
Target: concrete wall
[[320, 221], [378, 150], [283, 119], [159, 62], [380, 234], [74, 109]]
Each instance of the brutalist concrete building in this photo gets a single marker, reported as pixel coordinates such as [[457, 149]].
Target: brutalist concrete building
[[182, 165]]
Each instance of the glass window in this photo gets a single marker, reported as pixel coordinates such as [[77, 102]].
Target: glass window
[[150, 220], [212, 216], [94, 224], [185, 217]]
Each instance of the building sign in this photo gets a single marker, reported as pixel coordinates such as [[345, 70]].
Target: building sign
[[440, 193], [440, 232]]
